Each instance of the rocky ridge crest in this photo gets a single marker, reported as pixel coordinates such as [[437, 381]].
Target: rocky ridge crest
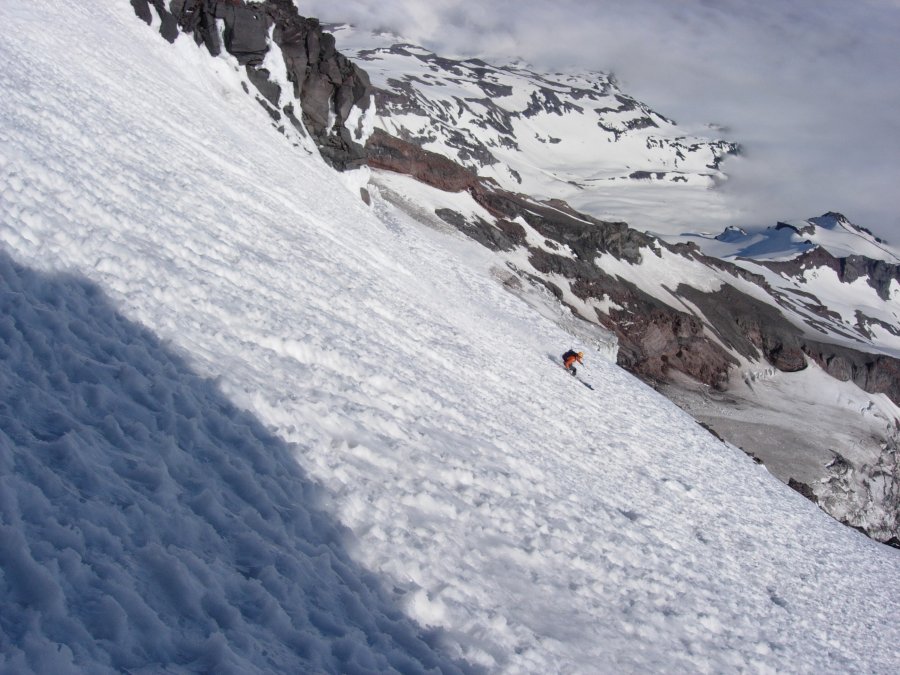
[[329, 95]]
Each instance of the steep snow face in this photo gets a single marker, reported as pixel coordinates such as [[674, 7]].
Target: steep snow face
[[573, 136], [797, 423], [250, 425]]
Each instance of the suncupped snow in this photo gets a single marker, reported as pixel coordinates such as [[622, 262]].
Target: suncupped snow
[[250, 424]]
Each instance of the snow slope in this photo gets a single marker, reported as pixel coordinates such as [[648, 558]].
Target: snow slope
[[250, 425]]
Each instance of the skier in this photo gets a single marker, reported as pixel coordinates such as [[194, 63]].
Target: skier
[[569, 359]]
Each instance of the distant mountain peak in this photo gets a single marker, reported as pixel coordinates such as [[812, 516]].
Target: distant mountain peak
[[732, 233], [833, 220]]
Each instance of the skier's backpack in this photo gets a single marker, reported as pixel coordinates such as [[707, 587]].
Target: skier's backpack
[[569, 354]]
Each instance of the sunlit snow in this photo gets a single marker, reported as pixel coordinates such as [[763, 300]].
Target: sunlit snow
[[249, 424]]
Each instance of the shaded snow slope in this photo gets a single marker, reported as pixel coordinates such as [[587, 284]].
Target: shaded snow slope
[[215, 359], [147, 521]]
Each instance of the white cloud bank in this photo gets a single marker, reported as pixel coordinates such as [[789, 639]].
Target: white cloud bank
[[810, 88]]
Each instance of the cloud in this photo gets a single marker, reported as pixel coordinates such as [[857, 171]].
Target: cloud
[[810, 88]]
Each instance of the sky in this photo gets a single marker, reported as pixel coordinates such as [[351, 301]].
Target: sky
[[810, 88]]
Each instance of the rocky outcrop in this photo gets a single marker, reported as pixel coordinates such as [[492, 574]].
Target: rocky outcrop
[[654, 343], [804, 489], [168, 25], [808, 228], [384, 151], [587, 237], [749, 326], [326, 86], [503, 236], [879, 274], [874, 373], [866, 497]]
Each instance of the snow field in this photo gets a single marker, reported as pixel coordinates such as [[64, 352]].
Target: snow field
[[147, 523], [250, 425]]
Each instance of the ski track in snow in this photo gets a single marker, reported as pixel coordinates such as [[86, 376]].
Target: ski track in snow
[[250, 425]]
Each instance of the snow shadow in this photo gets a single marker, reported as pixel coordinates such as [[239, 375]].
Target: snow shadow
[[148, 525]]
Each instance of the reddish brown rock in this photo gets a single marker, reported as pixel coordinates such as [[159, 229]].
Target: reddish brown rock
[[384, 151]]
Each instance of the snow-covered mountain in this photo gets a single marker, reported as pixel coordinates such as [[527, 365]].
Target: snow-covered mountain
[[831, 232], [543, 135], [251, 423], [574, 136], [742, 350], [732, 309], [846, 280]]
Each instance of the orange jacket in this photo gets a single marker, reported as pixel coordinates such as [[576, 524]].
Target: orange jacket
[[570, 359]]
